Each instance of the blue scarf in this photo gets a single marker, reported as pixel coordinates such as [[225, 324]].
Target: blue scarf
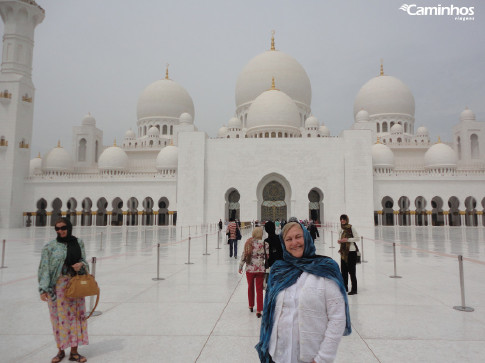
[[285, 273]]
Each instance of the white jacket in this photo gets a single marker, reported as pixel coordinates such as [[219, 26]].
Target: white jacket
[[319, 318]]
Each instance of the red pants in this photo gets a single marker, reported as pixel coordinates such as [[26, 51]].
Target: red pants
[[259, 278]]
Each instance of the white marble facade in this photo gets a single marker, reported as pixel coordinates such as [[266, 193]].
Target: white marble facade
[[382, 170]]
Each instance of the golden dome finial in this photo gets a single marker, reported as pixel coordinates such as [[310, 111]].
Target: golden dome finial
[[114, 142], [273, 84], [382, 67], [58, 143], [439, 140], [39, 155], [166, 71], [378, 140], [272, 40]]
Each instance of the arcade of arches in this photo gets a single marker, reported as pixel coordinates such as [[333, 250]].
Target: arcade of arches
[[273, 204], [430, 213], [103, 213]]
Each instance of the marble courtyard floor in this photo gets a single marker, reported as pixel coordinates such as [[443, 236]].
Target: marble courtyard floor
[[199, 313]]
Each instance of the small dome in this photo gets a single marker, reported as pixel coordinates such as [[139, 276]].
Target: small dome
[[440, 156], [222, 131], [384, 95], [167, 158], [275, 109], [113, 158], [311, 122], [164, 98], [422, 131], [362, 116], [35, 166], [467, 115], [58, 159], [234, 123], [382, 156], [186, 118], [397, 129], [324, 131], [89, 120], [153, 131], [130, 134]]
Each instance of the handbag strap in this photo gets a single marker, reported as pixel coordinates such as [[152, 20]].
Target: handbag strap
[[92, 311]]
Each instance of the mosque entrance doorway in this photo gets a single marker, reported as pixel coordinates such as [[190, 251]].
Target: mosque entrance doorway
[[315, 198], [232, 204], [274, 205]]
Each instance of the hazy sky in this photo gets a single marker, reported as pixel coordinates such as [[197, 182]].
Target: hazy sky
[[98, 56]]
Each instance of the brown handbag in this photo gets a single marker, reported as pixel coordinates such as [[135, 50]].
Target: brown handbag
[[81, 286]]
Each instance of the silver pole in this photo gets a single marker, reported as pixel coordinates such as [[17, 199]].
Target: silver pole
[[395, 276], [206, 253], [362, 248], [3, 255], [218, 239], [331, 235], [158, 278], [463, 307], [188, 261], [91, 301]]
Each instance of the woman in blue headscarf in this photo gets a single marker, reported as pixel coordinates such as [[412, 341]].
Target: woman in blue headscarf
[[305, 309]]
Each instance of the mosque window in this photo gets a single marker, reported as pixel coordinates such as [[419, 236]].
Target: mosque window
[[384, 126], [266, 134], [96, 151], [378, 127], [458, 147], [171, 129], [81, 152], [474, 146], [164, 130], [273, 134]]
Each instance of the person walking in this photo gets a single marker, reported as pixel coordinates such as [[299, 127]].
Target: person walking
[[275, 248], [313, 230], [256, 252], [220, 224], [348, 253], [232, 236], [61, 259]]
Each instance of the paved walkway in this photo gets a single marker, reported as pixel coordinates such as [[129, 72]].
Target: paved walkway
[[199, 313]]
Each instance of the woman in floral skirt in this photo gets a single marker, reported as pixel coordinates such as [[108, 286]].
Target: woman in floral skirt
[[61, 259]]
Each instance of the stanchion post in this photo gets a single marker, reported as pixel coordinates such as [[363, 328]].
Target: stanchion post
[[158, 278], [463, 306], [3, 254], [206, 253], [188, 260], [395, 276], [331, 238], [218, 239], [362, 248], [93, 272]]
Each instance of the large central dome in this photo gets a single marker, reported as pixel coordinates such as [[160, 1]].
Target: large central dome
[[257, 74]]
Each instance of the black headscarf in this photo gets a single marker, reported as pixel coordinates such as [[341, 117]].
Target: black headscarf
[[73, 250]]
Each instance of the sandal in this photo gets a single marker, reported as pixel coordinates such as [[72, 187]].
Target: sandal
[[76, 357], [60, 356]]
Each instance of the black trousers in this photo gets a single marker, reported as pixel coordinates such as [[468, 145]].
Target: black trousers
[[348, 268]]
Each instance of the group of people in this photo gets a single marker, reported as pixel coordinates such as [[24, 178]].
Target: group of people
[[304, 314]]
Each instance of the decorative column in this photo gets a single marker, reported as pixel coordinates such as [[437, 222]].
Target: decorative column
[[462, 217], [446, 218], [379, 218], [428, 218], [413, 217]]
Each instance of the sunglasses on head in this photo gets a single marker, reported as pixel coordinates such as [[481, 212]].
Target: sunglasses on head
[[61, 228]]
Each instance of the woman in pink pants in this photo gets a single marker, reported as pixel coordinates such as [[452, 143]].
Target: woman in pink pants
[[256, 253]]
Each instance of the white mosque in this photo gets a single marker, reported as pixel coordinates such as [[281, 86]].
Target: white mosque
[[272, 160]]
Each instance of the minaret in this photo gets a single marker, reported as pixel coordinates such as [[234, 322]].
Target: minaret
[[17, 104]]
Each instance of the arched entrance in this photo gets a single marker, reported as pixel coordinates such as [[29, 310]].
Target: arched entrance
[[315, 198], [274, 204], [232, 205]]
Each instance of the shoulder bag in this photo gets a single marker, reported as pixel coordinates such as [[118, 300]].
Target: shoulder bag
[[81, 286]]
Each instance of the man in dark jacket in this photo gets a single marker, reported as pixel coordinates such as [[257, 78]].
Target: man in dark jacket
[[275, 249]]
